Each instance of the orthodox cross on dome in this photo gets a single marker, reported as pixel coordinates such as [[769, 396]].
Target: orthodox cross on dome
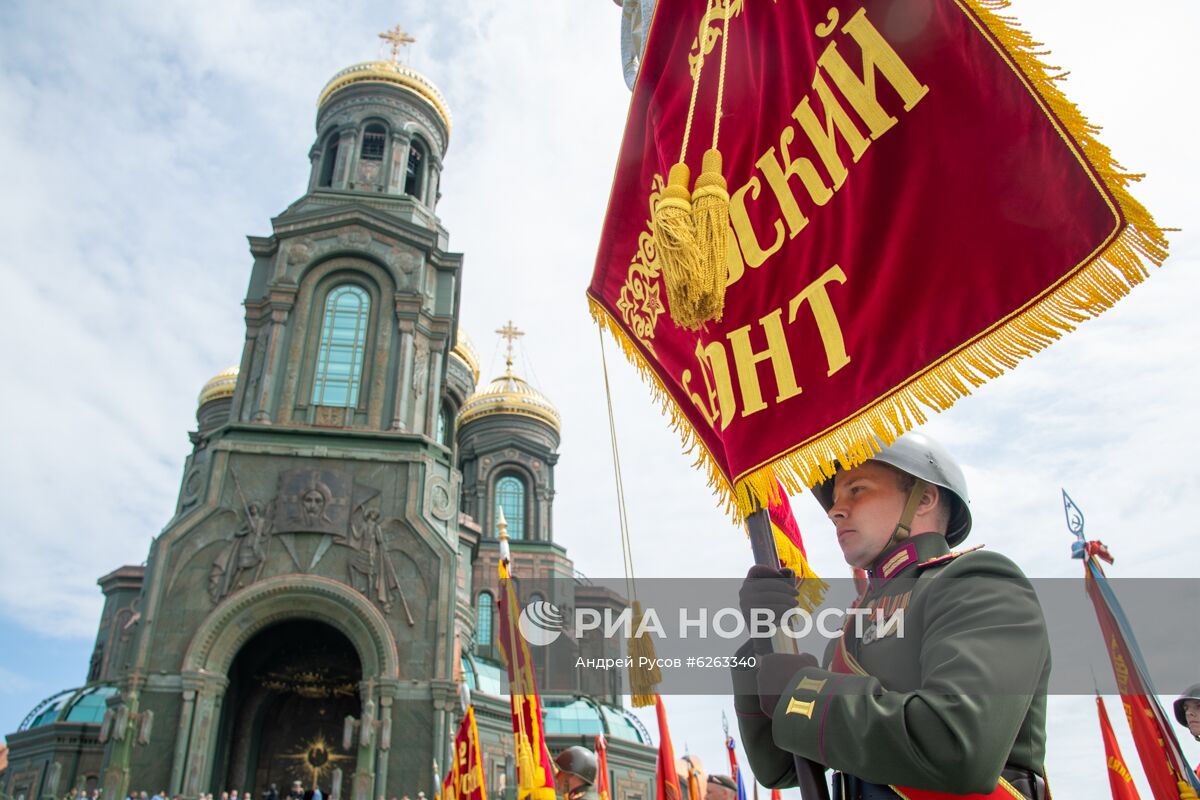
[[509, 333], [396, 38]]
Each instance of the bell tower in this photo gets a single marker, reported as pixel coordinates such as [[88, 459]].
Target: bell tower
[[310, 573], [352, 299]]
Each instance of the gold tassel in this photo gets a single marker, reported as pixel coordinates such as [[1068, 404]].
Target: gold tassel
[[642, 681], [710, 213], [675, 243]]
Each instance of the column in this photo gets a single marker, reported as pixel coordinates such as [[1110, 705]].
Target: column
[[205, 724], [281, 304], [395, 178], [191, 685], [364, 773], [403, 373], [345, 158], [388, 690]]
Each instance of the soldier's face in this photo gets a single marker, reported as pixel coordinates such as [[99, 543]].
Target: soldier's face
[[568, 784], [867, 504], [1191, 712]]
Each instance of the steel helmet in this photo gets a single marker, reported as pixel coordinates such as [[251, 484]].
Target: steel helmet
[[923, 457], [578, 761], [1193, 693]]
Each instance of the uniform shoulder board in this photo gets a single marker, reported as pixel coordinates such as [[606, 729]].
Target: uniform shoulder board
[[946, 559]]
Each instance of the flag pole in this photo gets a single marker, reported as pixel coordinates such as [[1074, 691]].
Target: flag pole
[[810, 776]]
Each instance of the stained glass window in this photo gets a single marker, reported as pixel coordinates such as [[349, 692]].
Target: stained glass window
[[343, 342], [510, 496], [483, 624]]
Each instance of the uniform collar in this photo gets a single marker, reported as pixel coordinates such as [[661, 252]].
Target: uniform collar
[[921, 547]]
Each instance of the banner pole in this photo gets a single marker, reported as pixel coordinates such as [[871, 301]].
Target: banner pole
[[810, 776]]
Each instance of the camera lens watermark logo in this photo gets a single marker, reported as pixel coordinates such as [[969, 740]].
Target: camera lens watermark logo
[[540, 623]]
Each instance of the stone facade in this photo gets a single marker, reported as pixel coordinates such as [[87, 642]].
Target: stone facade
[[309, 609]]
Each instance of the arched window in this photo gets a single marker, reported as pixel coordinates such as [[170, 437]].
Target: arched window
[[374, 140], [483, 623], [510, 496], [343, 342], [444, 432], [414, 176], [329, 160]]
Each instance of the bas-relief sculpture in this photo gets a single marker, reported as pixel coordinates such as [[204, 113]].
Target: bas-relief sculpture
[[313, 502]]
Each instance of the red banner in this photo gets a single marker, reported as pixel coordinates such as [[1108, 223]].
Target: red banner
[[914, 207], [1152, 735], [465, 781], [789, 544], [1118, 774], [602, 790], [667, 779], [535, 770]]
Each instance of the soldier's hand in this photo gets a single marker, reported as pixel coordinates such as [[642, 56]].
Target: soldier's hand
[[1186, 792], [773, 590], [775, 672]]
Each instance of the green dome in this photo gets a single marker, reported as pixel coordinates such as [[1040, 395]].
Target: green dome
[[81, 706]]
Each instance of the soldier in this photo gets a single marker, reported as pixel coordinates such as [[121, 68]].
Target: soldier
[[951, 701], [576, 775], [1187, 711]]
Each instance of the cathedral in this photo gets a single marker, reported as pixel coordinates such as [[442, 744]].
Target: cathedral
[[328, 581]]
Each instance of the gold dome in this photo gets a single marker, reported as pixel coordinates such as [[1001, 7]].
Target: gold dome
[[220, 385], [465, 352], [510, 394], [393, 73]]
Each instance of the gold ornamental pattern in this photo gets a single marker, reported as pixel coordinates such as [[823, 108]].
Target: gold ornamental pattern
[[640, 302], [710, 33]]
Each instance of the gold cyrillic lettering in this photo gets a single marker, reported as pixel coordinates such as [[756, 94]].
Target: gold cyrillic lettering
[[718, 402], [877, 55], [746, 361], [817, 298], [747, 239], [777, 175], [823, 138]]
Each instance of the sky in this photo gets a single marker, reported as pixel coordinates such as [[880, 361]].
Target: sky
[[141, 142]]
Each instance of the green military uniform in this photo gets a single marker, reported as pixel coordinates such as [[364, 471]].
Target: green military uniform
[[945, 707], [585, 793]]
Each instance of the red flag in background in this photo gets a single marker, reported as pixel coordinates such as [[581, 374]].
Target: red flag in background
[[869, 155], [776, 794], [602, 789], [465, 780], [666, 776], [1118, 774], [792, 554], [535, 771], [688, 765], [1162, 760]]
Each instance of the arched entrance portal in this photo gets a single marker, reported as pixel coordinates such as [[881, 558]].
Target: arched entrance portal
[[291, 687]]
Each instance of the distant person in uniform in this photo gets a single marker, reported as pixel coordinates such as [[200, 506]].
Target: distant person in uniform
[[576, 776], [720, 787], [1187, 712]]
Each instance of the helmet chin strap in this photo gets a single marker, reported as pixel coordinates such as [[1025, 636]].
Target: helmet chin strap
[[903, 528]]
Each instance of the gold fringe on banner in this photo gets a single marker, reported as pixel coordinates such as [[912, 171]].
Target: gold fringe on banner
[[1105, 278], [811, 590]]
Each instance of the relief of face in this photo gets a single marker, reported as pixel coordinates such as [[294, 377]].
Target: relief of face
[[314, 504]]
